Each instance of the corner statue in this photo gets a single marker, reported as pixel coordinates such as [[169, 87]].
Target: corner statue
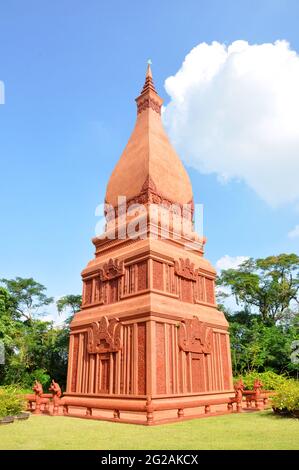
[[149, 344]]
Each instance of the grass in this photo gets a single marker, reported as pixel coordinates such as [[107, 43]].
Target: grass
[[238, 431]]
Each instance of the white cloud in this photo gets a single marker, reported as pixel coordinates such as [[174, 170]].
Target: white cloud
[[234, 111], [229, 262], [294, 233]]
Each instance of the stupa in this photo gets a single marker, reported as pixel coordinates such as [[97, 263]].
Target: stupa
[[149, 344]]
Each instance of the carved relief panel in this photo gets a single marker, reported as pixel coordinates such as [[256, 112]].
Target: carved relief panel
[[112, 270], [185, 269], [136, 277], [195, 336], [104, 336], [210, 290], [105, 285], [88, 292], [187, 274], [200, 289]]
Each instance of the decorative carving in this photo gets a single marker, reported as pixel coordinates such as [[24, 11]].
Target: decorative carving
[[39, 398], [157, 275], [112, 270], [56, 392], [88, 292], [142, 275], [149, 194], [142, 105], [200, 293], [210, 290], [257, 387], [104, 336], [239, 388], [185, 269], [38, 389], [195, 336], [55, 389], [149, 186]]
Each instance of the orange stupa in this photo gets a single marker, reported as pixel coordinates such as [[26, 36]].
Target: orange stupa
[[149, 344]]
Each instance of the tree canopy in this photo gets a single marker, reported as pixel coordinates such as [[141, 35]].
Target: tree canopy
[[34, 348], [28, 295], [268, 286]]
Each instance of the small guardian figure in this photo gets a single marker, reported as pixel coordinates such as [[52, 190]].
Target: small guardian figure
[[56, 392], [39, 400], [239, 388]]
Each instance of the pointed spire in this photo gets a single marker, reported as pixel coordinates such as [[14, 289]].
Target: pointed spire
[[149, 70], [148, 84], [149, 166], [149, 98]]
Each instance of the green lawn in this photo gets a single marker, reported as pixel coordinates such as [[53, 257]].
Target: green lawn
[[238, 431]]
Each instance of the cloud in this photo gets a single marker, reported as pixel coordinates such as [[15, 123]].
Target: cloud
[[229, 262], [234, 111], [294, 233]]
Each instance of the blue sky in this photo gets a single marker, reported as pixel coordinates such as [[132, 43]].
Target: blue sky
[[72, 70]]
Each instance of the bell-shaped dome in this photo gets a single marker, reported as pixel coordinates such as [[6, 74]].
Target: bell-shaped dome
[[148, 158]]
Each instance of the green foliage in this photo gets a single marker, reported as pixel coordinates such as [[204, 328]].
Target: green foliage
[[267, 285], [287, 396], [40, 353], [71, 303], [40, 375], [11, 401], [34, 349], [8, 324], [269, 379], [259, 347], [29, 296]]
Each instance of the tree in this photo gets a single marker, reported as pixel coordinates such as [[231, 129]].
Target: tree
[[261, 347], [34, 349], [7, 320], [28, 295], [266, 285], [69, 302], [10, 328]]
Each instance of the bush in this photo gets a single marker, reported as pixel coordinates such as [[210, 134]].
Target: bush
[[41, 376], [287, 396], [24, 379], [11, 401], [270, 380]]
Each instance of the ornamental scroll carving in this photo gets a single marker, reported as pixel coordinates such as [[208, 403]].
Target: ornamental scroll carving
[[111, 270], [185, 269], [195, 336], [148, 103], [149, 194], [104, 336]]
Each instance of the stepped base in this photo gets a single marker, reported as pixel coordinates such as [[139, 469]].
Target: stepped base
[[146, 411]]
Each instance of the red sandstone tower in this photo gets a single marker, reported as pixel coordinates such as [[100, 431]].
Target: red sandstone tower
[[149, 344]]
